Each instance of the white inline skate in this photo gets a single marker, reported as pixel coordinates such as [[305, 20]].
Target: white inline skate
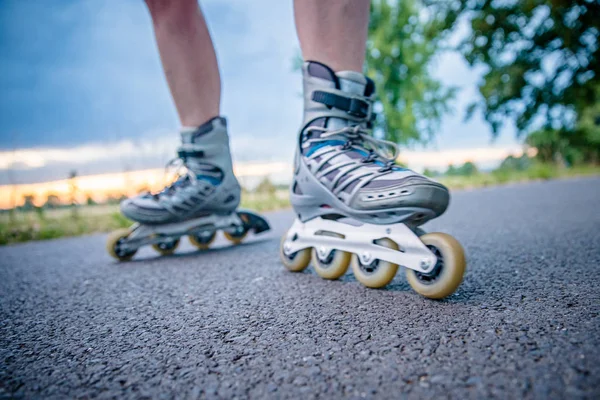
[[201, 202], [354, 205]]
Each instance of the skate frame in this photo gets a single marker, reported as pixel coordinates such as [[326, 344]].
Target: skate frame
[[142, 234], [360, 239]]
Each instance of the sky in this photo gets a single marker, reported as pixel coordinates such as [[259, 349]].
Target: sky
[[82, 88]]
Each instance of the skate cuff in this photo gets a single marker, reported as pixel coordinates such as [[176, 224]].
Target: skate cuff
[[356, 106]]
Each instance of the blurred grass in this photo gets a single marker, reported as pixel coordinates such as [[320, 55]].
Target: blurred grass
[[536, 172], [49, 224], [40, 224]]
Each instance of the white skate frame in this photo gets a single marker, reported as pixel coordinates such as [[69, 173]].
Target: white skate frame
[[359, 239], [142, 234]]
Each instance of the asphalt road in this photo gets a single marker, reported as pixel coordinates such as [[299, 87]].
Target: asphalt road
[[231, 322]]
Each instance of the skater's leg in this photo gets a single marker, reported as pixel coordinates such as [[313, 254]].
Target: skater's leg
[[188, 58], [207, 184], [206, 194], [335, 140], [333, 32], [342, 170]]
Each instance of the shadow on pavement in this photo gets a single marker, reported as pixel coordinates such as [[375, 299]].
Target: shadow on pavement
[[194, 252]]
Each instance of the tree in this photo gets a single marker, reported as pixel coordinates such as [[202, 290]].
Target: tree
[[587, 136], [549, 143], [467, 169], [451, 171], [28, 202], [266, 187], [52, 201], [430, 173], [403, 42], [73, 189], [571, 147], [512, 163], [541, 57]]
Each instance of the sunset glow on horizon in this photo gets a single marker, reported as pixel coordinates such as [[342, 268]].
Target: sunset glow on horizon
[[103, 186], [100, 187]]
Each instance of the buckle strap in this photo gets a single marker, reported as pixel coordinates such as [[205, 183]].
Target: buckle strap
[[201, 150], [182, 153], [352, 105]]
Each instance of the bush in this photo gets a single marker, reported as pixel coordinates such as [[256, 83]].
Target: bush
[[542, 171]]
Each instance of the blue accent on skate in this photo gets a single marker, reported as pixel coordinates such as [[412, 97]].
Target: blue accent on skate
[[340, 143], [210, 179], [323, 144]]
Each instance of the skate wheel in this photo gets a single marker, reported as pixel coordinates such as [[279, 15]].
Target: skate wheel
[[235, 238], [377, 273], [113, 245], [167, 247], [240, 233], [333, 266], [296, 262], [448, 272], [202, 242]]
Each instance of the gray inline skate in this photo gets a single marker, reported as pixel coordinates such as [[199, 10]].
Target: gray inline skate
[[354, 205], [202, 201]]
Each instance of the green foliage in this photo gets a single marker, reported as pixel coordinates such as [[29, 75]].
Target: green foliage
[[512, 163], [548, 142], [28, 202], [266, 187], [40, 213], [430, 173], [587, 134], [541, 58], [52, 201], [467, 169], [573, 147], [119, 220], [55, 223], [541, 171], [536, 171], [403, 42]]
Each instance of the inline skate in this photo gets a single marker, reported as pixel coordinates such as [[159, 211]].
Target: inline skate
[[202, 201], [354, 205]]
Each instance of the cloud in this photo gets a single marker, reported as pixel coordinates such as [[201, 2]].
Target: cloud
[[90, 71], [83, 88], [52, 163]]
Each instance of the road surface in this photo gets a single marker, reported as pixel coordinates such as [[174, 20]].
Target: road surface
[[232, 323]]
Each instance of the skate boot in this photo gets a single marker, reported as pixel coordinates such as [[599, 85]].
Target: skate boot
[[354, 205], [200, 202]]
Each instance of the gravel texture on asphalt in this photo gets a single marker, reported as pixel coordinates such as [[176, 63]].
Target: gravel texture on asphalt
[[232, 323]]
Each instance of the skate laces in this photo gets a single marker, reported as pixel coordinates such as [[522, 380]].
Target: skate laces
[[360, 138], [177, 167]]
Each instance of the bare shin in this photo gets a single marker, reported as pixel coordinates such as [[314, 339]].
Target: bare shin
[[188, 59], [333, 32]]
